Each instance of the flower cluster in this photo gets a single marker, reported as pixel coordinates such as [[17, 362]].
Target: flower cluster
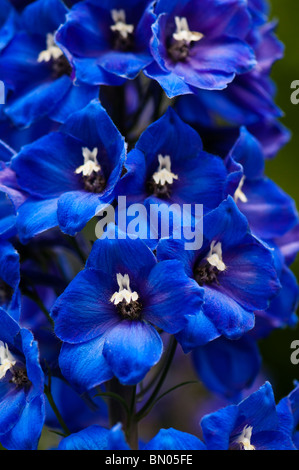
[[165, 103]]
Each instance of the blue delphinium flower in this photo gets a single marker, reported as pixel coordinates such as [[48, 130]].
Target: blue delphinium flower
[[220, 365], [95, 438], [168, 164], [252, 425], [22, 407], [107, 316], [68, 174], [230, 267], [108, 41], [269, 210], [199, 44], [36, 71]]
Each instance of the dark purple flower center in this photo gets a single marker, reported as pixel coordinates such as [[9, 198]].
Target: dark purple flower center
[[60, 67], [95, 182], [179, 50], [19, 377], [163, 191], [129, 311], [205, 273], [121, 43]]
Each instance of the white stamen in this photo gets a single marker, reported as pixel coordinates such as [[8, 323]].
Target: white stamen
[[7, 360], [52, 51], [90, 162], [215, 256], [244, 439], [124, 292], [239, 193], [183, 32], [163, 174], [119, 18]]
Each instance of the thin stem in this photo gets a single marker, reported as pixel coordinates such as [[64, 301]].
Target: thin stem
[[56, 411], [151, 401], [48, 393]]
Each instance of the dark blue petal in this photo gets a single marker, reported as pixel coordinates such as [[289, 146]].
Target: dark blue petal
[[172, 439], [79, 318], [84, 365], [131, 349], [220, 365]]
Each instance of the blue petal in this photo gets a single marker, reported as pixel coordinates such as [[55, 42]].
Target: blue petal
[[39, 102], [26, 433], [95, 438], [172, 439], [79, 318], [220, 365], [171, 296], [84, 365], [42, 172], [199, 331], [124, 255], [131, 349], [36, 216], [217, 428], [44, 16]]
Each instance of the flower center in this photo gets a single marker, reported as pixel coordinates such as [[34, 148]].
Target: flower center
[[163, 178], [60, 64], [182, 40], [92, 174], [207, 271], [7, 360], [244, 439], [239, 193], [126, 301], [123, 32]]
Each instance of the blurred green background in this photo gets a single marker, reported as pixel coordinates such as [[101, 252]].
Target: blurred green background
[[284, 170]]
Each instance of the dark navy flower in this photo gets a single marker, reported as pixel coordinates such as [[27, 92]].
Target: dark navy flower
[[254, 424], [107, 316], [199, 44], [21, 387], [37, 72], [96, 438], [68, 174], [228, 367], [230, 267], [108, 42], [169, 165], [269, 210]]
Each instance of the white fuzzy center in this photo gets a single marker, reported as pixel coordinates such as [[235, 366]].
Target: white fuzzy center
[[244, 440], [120, 25], [52, 51], [91, 163], [164, 174], [124, 292], [7, 360], [183, 32], [215, 256]]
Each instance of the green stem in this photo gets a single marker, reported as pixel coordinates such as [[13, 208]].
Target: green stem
[[56, 411], [151, 401]]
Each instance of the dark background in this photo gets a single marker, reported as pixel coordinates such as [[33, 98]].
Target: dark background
[[284, 170]]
